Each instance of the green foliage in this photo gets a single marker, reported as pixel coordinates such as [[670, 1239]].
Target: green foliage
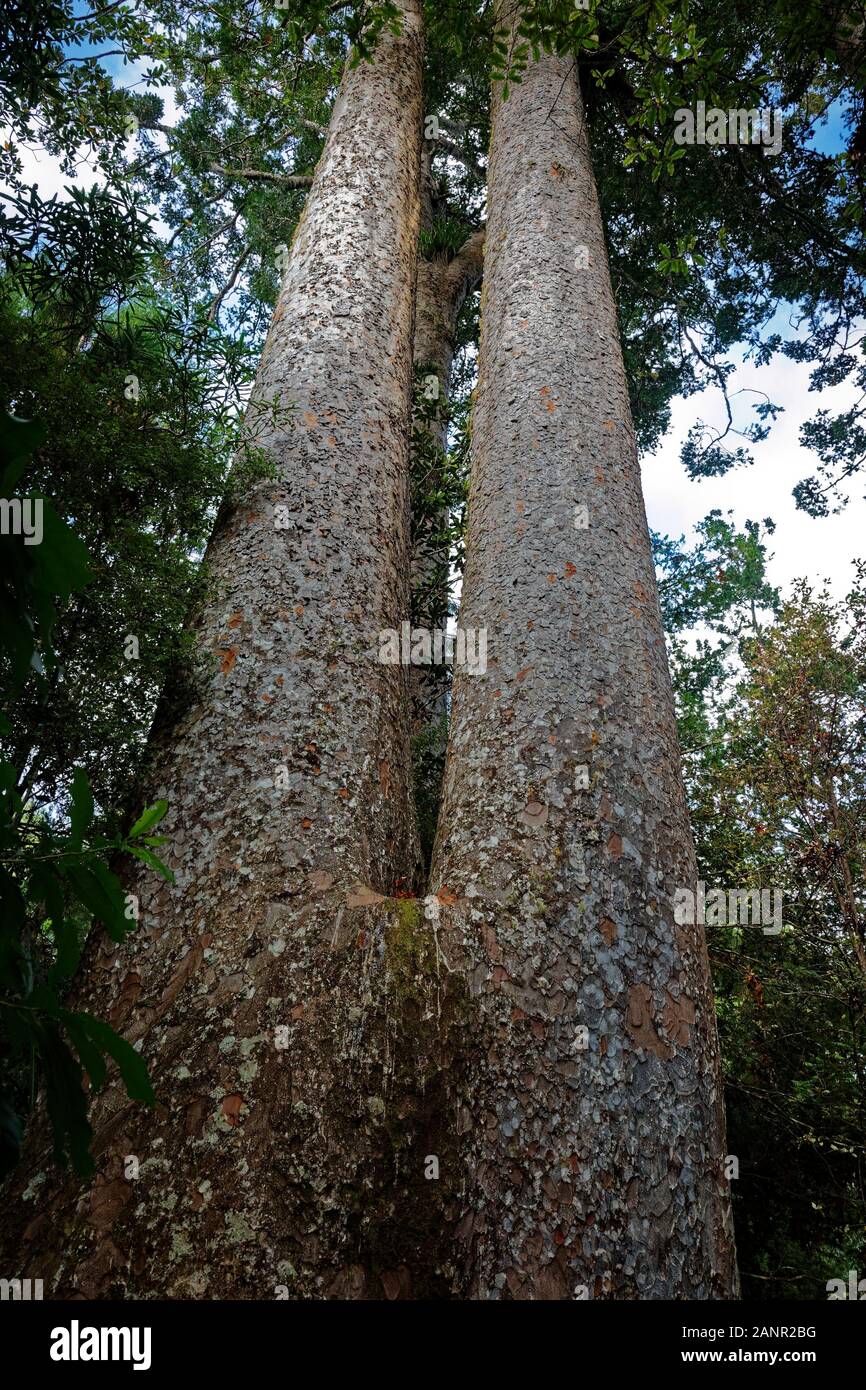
[[140, 429], [52, 882], [72, 255], [428, 768], [773, 724], [33, 575], [438, 496], [443, 238], [54, 91]]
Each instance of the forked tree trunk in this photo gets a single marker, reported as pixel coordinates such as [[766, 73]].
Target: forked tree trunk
[[592, 1102], [289, 811]]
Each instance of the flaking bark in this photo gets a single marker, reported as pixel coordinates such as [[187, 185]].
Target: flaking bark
[[594, 1161], [269, 1168]]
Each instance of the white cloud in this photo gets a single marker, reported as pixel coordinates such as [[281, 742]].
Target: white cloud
[[817, 548]]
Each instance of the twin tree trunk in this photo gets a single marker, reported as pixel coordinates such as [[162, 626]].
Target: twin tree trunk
[[543, 1035]]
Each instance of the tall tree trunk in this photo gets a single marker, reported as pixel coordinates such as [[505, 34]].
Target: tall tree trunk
[[259, 987], [592, 1097]]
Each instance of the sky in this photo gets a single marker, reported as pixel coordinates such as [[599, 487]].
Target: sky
[[814, 547]]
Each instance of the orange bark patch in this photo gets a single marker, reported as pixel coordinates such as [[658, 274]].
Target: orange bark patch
[[123, 1004], [230, 656], [608, 930], [362, 896], [488, 936], [231, 1107], [639, 1022], [107, 1200], [397, 1283], [678, 1015]]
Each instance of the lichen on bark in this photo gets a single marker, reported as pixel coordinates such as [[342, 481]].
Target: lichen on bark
[[287, 782]]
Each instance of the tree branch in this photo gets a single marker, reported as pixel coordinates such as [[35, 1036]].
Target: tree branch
[[264, 176], [467, 267], [213, 311]]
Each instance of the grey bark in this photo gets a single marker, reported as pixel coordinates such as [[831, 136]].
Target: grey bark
[[593, 1162], [267, 1166]]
